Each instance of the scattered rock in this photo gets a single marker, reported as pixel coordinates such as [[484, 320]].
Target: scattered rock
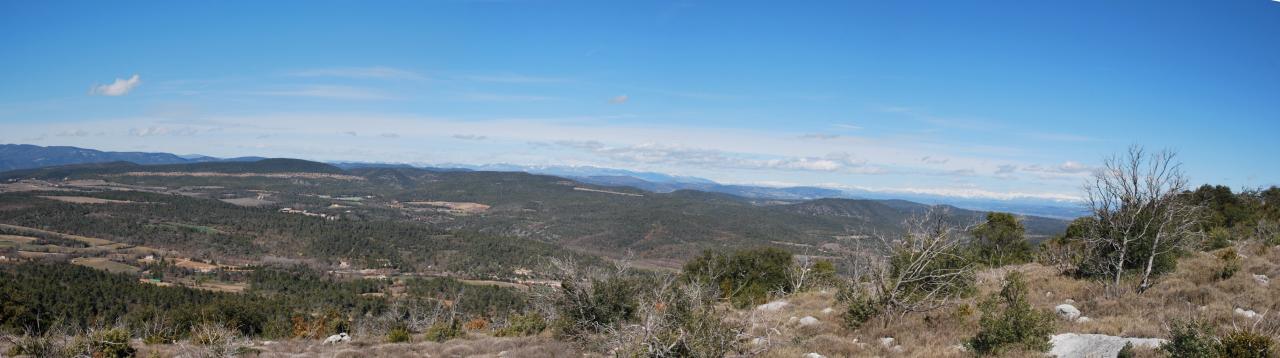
[[772, 306], [1073, 345], [792, 320], [338, 338], [1069, 301], [1247, 313], [828, 310], [886, 342], [1048, 293], [897, 349], [1262, 279], [814, 355], [759, 341], [1067, 311], [808, 321], [1083, 319]]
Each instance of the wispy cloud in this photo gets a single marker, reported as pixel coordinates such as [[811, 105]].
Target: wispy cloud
[[389, 135], [377, 72], [514, 78], [162, 131], [847, 126], [651, 153], [934, 160], [118, 88], [330, 92], [469, 137], [820, 136], [1059, 137], [495, 97], [620, 99]]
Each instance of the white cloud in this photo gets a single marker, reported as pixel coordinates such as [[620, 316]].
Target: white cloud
[[494, 97], [970, 193], [72, 133], [330, 92], [389, 135], [469, 137], [513, 78], [360, 73], [118, 88], [847, 126], [161, 131], [820, 136], [652, 153], [934, 160], [619, 99]]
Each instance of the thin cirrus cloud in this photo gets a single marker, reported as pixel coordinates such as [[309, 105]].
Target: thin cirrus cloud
[[652, 153], [620, 99], [385, 73], [469, 137], [330, 92], [118, 88]]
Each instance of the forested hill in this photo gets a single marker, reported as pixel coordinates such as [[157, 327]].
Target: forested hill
[[277, 165], [666, 227]]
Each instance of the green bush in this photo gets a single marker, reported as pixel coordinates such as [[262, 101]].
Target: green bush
[[596, 304], [999, 241], [1230, 264], [1219, 237], [110, 343], [398, 335], [1246, 344], [859, 307], [1191, 339], [1009, 321], [444, 330], [1126, 351], [527, 324], [745, 277]]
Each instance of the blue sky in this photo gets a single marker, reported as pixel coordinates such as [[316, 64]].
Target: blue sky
[[996, 99]]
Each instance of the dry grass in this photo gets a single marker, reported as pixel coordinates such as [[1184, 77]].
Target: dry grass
[[1191, 291], [374, 347]]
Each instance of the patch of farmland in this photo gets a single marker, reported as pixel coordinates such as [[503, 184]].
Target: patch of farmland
[[250, 202], [105, 265], [85, 200]]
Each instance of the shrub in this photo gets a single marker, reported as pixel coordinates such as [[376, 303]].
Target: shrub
[[592, 305], [1015, 324], [1000, 241], [745, 277], [1246, 344], [527, 324], [1230, 264], [679, 321], [859, 307], [1191, 339], [1219, 237], [110, 343], [444, 330], [398, 334], [1126, 351]]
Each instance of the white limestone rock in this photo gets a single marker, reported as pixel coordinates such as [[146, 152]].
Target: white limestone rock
[[1067, 312], [1076, 345]]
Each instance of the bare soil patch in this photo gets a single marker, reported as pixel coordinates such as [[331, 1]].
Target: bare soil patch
[[86, 200]]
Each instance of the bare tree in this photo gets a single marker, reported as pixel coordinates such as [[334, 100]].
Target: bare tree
[[1134, 198], [923, 269], [799, 271]]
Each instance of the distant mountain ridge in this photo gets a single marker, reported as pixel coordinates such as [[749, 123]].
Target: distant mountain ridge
[[27, 156]]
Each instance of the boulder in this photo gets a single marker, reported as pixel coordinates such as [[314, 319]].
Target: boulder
[[1262, 279], [772, 306], [1067, 311], [808, 321], [886, 342], [828, 310], [814, 355], [1076, 345], [1250, 314]]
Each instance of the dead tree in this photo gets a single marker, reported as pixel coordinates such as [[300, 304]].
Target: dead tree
[[1135, 200], [923, 269]]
